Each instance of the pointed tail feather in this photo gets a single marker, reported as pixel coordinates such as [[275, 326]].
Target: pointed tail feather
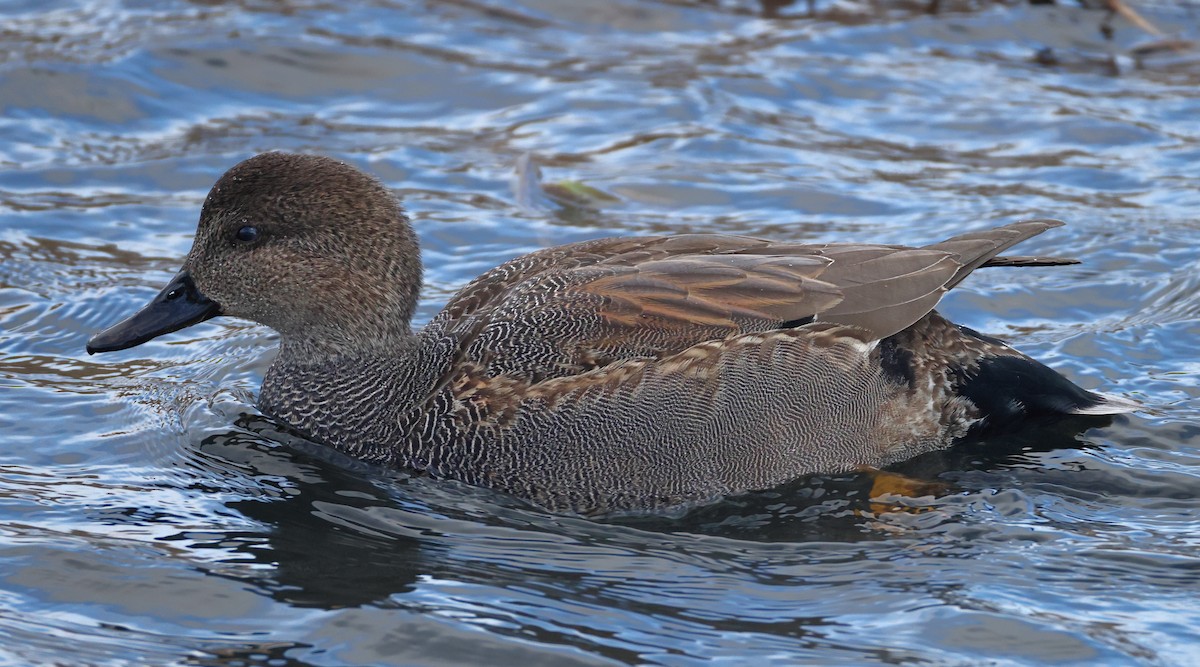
[[976, 249], [1024, 260], [1107, 405]]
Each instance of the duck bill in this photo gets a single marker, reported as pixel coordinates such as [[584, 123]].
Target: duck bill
[[178, 305]]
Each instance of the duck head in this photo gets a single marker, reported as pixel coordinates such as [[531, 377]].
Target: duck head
[[309, 246]]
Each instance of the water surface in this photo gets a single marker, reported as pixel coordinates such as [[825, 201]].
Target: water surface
[[149, 515]]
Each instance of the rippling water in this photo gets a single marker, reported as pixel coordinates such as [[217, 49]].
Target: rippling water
[[148, 515]]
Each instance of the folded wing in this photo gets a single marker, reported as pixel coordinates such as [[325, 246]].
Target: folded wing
[[574, 308]]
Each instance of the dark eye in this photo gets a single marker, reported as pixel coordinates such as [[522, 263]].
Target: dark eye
[[247, 234]]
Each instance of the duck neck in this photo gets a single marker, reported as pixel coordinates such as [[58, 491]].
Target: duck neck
[[357, 398]]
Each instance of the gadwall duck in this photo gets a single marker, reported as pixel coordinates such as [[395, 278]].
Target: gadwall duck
[[620, 374]]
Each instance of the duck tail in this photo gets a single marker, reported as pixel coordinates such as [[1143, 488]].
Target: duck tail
[[1109, 405], [1007, 387]]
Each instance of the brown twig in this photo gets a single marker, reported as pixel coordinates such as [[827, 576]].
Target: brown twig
[[1119, 7]]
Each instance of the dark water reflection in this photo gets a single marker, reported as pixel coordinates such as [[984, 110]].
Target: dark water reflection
[[149, 516]]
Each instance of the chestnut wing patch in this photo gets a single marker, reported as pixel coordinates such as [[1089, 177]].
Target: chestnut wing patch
[[493, 287], [732, 292]]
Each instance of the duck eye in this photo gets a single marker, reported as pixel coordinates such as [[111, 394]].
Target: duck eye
[[247, 234]]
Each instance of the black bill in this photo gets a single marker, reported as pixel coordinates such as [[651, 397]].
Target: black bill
[[178, 305]]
